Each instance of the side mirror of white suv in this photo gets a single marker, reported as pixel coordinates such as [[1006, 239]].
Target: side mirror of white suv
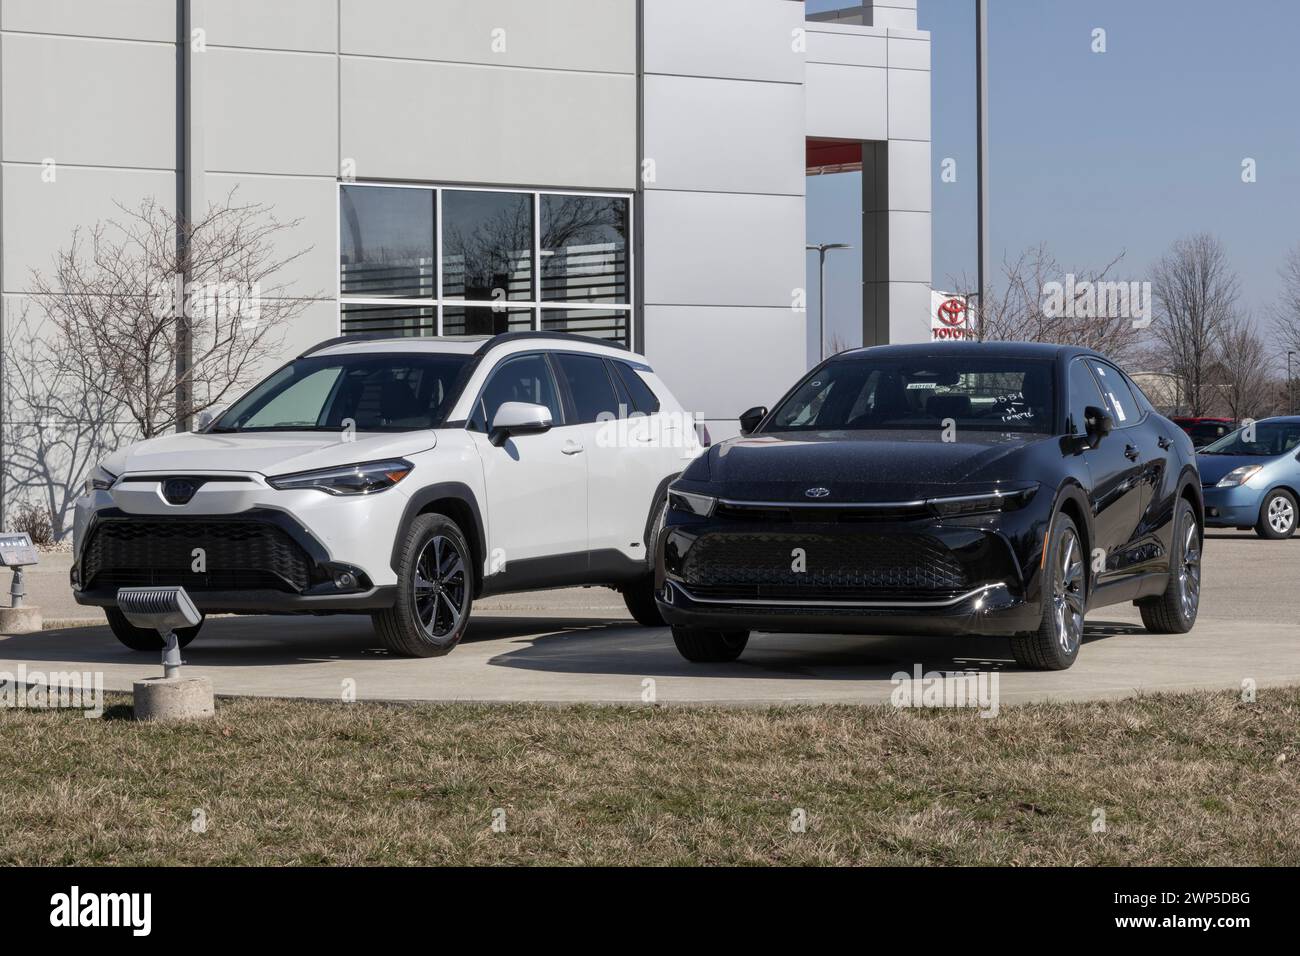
[[519, 418]]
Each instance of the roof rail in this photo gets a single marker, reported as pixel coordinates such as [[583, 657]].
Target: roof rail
[[340, 339], [552, 336]]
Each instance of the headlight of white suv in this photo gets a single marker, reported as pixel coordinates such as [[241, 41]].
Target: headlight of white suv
[[99, 479], [1238, 476], [361, 479]]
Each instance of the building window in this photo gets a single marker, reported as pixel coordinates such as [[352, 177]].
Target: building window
[[427, 260]]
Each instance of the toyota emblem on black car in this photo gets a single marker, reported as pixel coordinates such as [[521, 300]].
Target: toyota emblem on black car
[[817, 492]]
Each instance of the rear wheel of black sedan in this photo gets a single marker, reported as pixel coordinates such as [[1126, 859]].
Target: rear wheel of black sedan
[[1055, 645], [1174, 611], [144, 638], [702, 646]]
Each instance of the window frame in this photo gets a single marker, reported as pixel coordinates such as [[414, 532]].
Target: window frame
[[535, 303], [559, 384]]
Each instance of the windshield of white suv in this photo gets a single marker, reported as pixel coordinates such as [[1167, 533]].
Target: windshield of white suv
[[985, 394], [368, 392]]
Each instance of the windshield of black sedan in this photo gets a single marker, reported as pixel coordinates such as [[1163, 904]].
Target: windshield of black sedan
[[1262, 439], [367, 392], [984, 394]]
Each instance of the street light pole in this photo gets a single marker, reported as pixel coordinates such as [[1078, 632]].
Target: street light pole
[[821, 248], [982, 146]]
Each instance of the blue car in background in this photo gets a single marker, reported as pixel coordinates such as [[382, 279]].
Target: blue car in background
[[1251, 478]]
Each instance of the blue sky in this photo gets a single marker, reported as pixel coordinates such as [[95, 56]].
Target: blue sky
[[1101, 153]]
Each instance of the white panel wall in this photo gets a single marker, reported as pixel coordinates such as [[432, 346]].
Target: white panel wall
[[453, 122], [723, 219], [120, 20], [302, 25], [556, 34], [58, 103]]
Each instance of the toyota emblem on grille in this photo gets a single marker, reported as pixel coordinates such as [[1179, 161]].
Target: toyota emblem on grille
[[817, 492], [179, 491]]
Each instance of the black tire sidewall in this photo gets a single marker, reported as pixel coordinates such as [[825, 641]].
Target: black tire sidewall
[[423, 529]]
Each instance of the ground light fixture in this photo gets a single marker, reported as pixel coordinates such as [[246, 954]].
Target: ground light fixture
[[173, 697]]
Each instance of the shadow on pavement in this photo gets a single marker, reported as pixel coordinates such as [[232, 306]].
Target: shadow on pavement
[[559, 645]]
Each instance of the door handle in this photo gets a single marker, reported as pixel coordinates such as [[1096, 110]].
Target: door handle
[[1131, 452], [571, 447], [1163, 442]]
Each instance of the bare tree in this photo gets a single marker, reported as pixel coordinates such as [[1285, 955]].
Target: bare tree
[[1287, 317], [127, 295], [1242, 370], [1196, 293], [57, 424], [1039, 300]]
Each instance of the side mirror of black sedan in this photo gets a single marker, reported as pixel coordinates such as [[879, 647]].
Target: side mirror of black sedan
[[749, 419], [1098, 422]]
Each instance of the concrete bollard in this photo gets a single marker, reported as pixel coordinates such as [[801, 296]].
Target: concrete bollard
[[173, 698], [20, 620]]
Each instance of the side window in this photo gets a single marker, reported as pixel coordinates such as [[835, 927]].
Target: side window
[[525, 378], [589, 384], [1083, 392], [1122, 404], [644, 399]]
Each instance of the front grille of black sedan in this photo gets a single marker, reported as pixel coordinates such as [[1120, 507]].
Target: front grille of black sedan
[[237, 555], [820, 514], [854, 566]]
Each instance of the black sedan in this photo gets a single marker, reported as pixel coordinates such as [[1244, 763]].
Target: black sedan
[[962, 488]]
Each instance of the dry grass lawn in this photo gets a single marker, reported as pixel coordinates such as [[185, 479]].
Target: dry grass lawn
[[1183, 779]]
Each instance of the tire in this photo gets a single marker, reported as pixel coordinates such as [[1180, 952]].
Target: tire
[[1277, 515], [1055, 645], [1174, 611], [144, 638], [432, 609], [639, 596], [709, 647]]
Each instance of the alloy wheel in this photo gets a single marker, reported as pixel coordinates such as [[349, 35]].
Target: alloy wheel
[[440, 592], [1281, 514], [1189, 572], [1067, 593]]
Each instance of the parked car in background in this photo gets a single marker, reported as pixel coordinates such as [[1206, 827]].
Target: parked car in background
[[401, 478], [966, 488], [1251, 478], [1204, 430]]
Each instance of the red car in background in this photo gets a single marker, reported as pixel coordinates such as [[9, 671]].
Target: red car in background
[[1204, 430]]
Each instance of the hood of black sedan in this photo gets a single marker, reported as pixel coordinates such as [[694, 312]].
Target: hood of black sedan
[[885, 465]]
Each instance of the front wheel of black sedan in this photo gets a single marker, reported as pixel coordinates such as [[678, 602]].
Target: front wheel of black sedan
[[435, 588], [702, 646], [1055, 645], [1174, 611]]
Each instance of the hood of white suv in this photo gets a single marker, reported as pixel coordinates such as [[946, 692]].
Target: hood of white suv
[[266, 453]]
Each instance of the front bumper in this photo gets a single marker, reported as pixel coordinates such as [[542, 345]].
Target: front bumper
[[239, 546], [976, 575], [990, 610], [1231, 507]]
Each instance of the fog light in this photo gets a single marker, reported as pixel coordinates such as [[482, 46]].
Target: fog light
[[345, 581]]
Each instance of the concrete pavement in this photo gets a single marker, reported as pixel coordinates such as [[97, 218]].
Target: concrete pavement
[[580, 646]]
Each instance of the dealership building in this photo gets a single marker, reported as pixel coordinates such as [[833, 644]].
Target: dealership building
[[630, 169]]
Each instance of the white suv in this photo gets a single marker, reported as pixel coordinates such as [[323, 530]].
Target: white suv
[[400, 477]]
